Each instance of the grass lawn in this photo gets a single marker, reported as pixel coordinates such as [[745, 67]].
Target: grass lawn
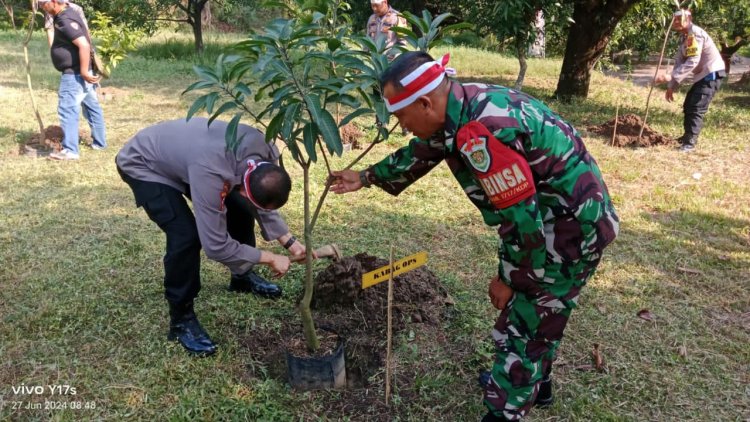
[[81, 301]]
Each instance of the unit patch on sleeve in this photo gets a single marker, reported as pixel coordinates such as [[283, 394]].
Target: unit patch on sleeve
[[503, 173]]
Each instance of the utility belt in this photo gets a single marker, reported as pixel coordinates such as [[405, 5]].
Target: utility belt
[[715, 75], [69, 71]]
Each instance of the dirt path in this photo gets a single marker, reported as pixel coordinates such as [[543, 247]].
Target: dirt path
[[643, 72]]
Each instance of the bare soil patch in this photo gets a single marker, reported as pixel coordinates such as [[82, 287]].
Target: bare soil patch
[[628, 128], [350, 135], [37, 145], [420, 305]]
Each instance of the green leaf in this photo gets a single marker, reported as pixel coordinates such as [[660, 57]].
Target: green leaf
[[325, 124], [231, 134], [274, 127], [404, 31], [206, 73], [198, 104], [229, 105], [309, 136], [291, 115], [210, 101], [198, 85], [345, 99], [333, 44], [354, 115]]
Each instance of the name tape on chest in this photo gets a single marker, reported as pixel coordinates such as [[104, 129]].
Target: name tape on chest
[[691, 47], [505, 176]]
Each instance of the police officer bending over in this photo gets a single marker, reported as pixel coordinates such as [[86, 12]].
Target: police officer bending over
[[171, 161], [697, 59]]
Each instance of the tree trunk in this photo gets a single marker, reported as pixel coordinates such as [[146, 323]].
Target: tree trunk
[[521, 52], [728, 50], [308, 325], [195, 9], [595, 20]]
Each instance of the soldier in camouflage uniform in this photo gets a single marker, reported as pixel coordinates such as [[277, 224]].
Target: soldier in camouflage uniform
[[528, 172]]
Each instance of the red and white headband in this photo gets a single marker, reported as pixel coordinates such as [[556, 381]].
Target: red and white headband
[[421, 81], [682, 12], [252, 165]]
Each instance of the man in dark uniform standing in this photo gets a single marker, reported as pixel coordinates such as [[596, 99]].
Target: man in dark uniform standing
[[166, 163], [698, 59], [71, 55]]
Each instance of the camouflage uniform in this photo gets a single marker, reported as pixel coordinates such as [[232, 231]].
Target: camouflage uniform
[[551, 240]]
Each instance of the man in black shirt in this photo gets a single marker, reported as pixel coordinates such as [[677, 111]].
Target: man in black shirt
[[71, 55]]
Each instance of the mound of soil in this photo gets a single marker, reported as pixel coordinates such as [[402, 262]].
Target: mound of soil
[[360, 316], [628, 128], [351, 134], [418, 295], [38, 146]]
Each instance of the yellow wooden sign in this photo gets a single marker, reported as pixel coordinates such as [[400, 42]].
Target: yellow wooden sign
[[399, 267]]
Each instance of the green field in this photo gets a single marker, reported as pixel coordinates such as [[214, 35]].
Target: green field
[[81, 301]]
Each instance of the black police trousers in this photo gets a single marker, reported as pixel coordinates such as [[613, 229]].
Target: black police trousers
[[167, 207], [695, 107]]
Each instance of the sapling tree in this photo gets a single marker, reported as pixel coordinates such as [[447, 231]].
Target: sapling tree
[[297, 69]]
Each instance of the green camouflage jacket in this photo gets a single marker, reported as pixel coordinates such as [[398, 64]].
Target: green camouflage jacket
[[569, 219]]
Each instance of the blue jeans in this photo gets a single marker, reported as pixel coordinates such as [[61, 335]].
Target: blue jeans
[[73, 93]]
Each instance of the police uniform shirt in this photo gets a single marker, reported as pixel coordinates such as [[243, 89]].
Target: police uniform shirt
[[68, 27]]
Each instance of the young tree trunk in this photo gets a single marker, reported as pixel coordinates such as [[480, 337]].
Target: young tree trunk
[[521, 53], [308, 325], [595, 20]]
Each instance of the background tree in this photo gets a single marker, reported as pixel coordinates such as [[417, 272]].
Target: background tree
[[594, 21], [513, 21]]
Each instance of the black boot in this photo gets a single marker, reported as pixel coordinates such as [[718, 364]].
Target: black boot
[[543, 398], [688, 142], [185, 328], [255, 284]]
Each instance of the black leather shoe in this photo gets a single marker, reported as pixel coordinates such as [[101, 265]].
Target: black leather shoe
[[543, 398], [255, 284], [185, 329]]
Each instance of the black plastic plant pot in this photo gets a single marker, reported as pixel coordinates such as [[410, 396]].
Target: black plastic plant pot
[[317, 373]]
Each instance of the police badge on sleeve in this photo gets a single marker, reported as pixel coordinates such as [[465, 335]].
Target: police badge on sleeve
[[505, 176]]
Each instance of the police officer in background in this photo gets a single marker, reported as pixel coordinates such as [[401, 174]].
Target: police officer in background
[[166, 163], [383, 18], [698, 59]]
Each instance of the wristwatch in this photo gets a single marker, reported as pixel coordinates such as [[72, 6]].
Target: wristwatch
[[364, 180]]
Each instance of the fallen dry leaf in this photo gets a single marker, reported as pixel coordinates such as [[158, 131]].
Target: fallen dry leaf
[[584, 367], [646, 314], [596, 354]]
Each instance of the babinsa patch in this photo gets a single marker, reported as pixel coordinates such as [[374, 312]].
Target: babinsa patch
[[503, 173]]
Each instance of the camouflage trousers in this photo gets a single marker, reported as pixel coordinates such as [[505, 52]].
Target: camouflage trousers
[[527, 335]]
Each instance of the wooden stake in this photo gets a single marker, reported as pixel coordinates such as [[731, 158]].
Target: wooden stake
[[388, 366], [617, 115], [658, 65]]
